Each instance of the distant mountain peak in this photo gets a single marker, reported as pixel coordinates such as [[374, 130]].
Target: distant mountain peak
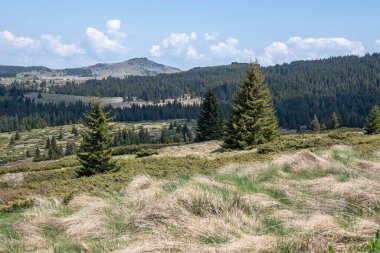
[[135, 66]]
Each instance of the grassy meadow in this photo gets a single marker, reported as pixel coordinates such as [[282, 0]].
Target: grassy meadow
[[312, 192]]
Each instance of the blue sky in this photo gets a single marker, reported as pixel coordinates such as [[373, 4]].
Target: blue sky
[[184, 33]]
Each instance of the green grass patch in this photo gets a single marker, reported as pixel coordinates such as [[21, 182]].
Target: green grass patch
[[214, 239]]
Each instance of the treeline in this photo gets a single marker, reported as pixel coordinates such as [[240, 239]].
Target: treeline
[[348, 85], [20, 113], [12, 71], [151, 112]]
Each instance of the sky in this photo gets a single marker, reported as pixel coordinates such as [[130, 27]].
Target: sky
[[184, 33]]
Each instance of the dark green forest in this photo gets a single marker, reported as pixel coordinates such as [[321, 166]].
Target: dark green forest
[[20, 113], [348, 85]]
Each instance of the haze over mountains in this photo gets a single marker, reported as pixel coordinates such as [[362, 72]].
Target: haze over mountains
[[132, 67]]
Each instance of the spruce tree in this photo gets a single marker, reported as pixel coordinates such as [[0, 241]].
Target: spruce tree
[[12, 140], [37, 155], [95, 156], [314, 124], [74, 131], [253, 119], [210, 119], [334, 121], [47, 146], [17, 136], [71, 148], [372, 125]]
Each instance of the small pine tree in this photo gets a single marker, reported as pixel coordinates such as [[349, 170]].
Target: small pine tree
[[210, 119], [71, 148], [253, 120], [372, 125], [28, 154], [314, 124], [60, 136], [334, 121], [17, 136], [37, 155], [74, 131], [53, 143], [47, 146], [12, 140], [96, 145]]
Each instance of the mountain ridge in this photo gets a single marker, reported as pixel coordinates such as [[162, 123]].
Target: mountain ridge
[[132, 67]]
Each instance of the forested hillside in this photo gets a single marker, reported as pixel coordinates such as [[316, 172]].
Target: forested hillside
[[349, 85]]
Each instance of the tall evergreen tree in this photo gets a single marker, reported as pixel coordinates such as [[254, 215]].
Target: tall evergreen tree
[[96, 145], [253, 120], [372, 125], [314, 124], [210, 119], [334, 121]]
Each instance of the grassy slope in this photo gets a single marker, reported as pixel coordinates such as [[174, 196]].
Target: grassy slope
[[274, 199]]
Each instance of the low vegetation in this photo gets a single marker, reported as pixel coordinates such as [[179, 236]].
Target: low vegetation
[[310, 192]]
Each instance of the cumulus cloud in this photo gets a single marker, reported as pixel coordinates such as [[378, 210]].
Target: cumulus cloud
[[100, 42], [377, 42], [96, 44], [177, 44], [155, 50], [178, 41], [9, 39], [53, 43], [210, 37], [191, 53], [113, 27], [297, 48], [229, 50]]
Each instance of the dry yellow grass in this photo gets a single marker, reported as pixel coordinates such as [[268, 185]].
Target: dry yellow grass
[[301, 202]]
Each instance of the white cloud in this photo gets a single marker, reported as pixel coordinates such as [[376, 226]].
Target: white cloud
[[54, 44], [377, 42], [9, 39], [210, 37], [178, 41], [191, 53], [193, 35], [229, 49], [177, 45], [297, 48], [155, 50], [100, 42], [113, 27]]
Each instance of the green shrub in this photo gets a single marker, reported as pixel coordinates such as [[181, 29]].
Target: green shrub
[[146, 152]]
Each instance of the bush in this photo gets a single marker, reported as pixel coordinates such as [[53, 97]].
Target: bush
[[146, 152]]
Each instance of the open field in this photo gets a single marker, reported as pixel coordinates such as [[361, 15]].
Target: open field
[[301, 193]]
